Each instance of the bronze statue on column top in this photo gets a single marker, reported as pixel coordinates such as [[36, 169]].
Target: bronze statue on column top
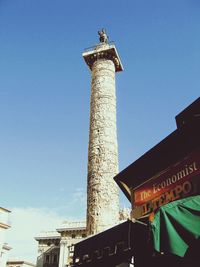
[[103, 38]]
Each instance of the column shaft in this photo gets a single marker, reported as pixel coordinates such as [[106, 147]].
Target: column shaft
[[63, 253], [103, 198]]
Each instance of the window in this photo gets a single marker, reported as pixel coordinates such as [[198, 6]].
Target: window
[[73, 235], [47, 259], [55, 258], [71, 248]]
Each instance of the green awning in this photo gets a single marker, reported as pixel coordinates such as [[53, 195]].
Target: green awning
[[176, 226]]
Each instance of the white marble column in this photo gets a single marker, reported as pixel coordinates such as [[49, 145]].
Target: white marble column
[[64, 252], [103, 199], [102, 191]]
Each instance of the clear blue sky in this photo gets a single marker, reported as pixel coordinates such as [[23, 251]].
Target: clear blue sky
[[45, 89]]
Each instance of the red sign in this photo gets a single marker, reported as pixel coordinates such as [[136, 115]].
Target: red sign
[[176, 182]]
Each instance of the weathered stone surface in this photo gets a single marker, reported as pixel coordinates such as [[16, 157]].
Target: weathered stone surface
[[103, 195], [125, 214]]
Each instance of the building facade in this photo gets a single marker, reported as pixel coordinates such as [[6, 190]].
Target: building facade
[[4, 225], [55, 249], [48, 249]]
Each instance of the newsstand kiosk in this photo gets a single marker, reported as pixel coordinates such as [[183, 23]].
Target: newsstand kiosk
[[163, 186]]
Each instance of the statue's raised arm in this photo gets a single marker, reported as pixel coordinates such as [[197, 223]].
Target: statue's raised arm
[[103, 38]]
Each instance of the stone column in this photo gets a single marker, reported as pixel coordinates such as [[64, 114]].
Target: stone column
[[102, 191], [64, 252]]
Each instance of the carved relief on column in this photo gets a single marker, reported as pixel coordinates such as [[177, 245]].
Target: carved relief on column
[[103, 199], [102, 192]]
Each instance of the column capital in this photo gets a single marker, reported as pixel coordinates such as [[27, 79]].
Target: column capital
[[103, 51], [64, 241]]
